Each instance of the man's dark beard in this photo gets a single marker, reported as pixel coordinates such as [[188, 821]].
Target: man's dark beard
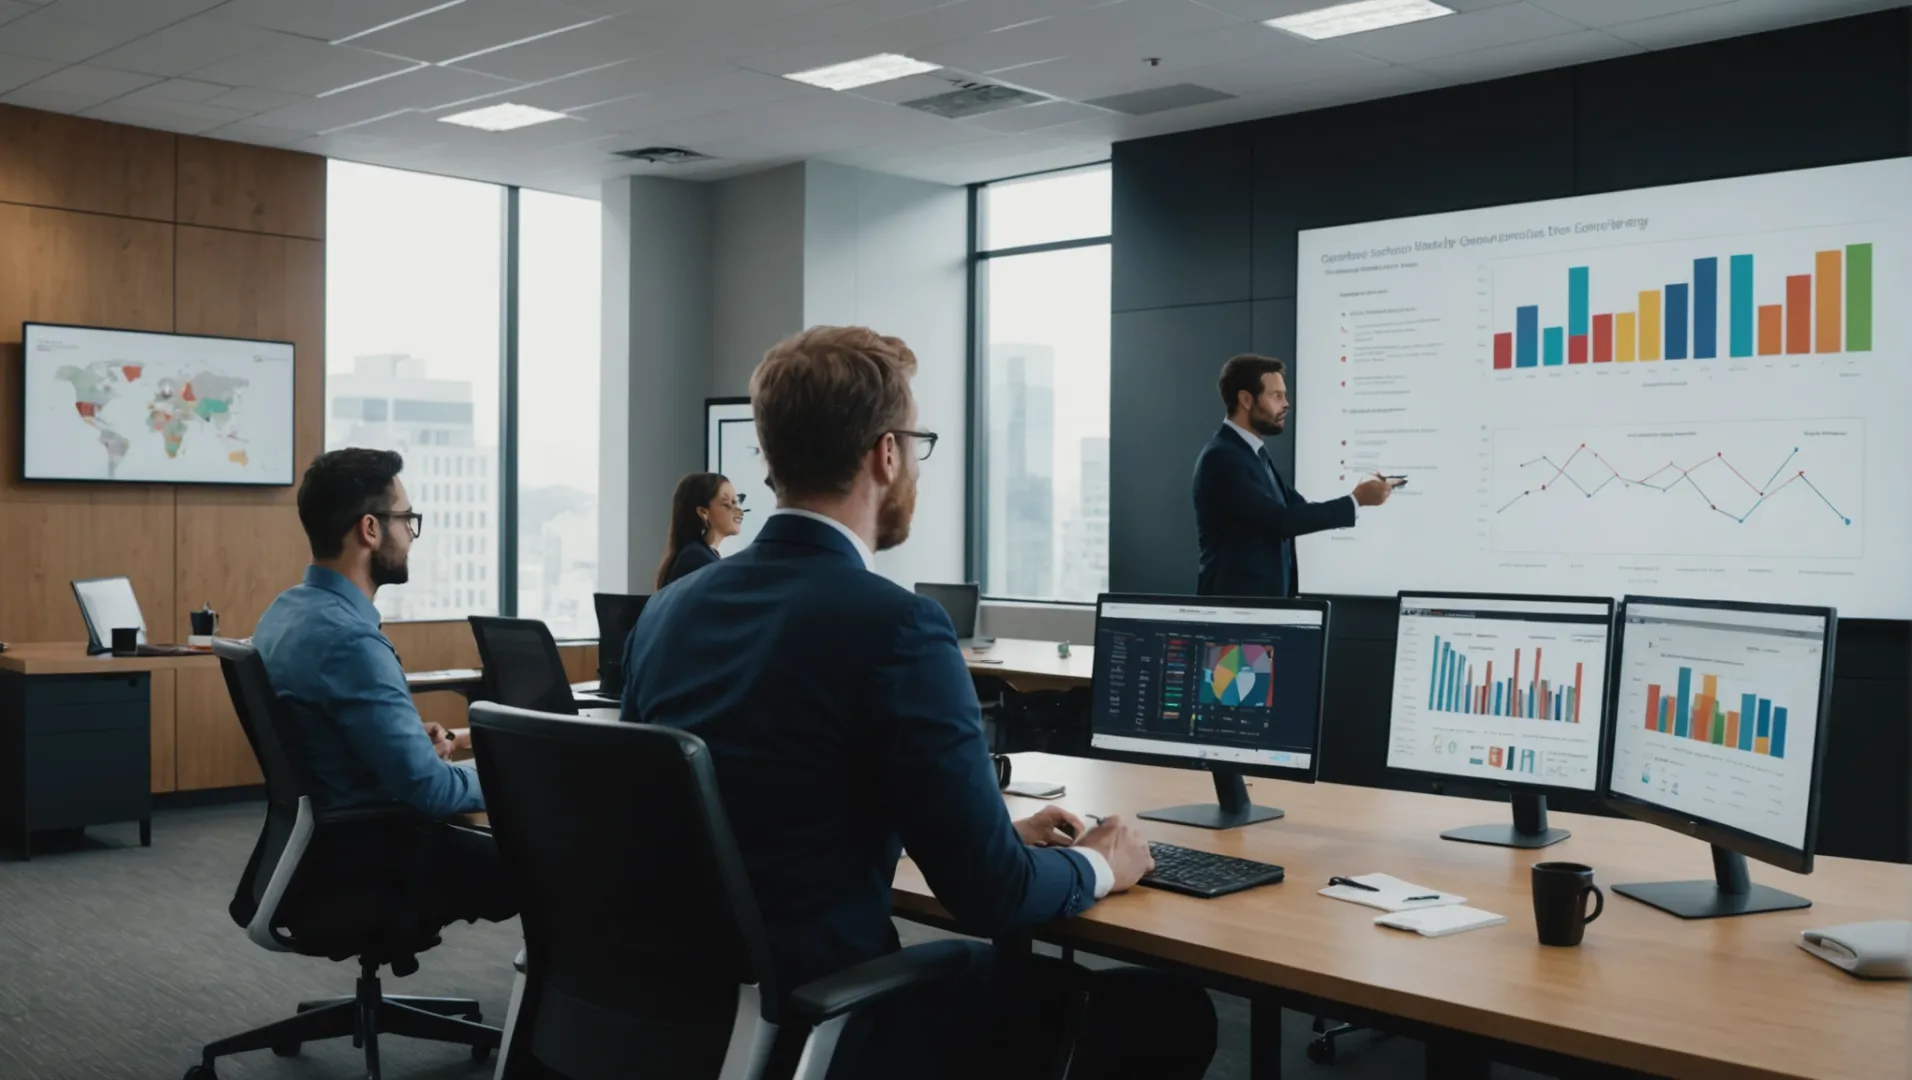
[[1265, 427], [894, 516], [389, 571]]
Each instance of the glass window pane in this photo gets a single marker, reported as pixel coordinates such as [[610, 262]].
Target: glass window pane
[[412, 277], [558, 379], [1047, 412], [1047, 208]]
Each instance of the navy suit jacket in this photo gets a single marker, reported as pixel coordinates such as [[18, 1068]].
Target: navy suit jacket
[[843, 725], [1246, 519], [691, 558]]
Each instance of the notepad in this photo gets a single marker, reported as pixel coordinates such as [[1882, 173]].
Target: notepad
[[1441, 921], [1391, 894]]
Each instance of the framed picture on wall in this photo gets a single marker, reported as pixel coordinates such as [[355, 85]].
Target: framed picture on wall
[[730, 448]]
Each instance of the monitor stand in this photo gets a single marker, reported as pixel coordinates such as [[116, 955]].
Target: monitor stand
[[1231, 809], [1731, 892], [1529, 829]]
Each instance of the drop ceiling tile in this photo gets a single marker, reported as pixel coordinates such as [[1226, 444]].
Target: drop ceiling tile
[[1724, 20], [1101, 29], [325, 20], [298, 66], [1563, 50], [1120, 70], [1259, 10], [723, 93], [189, 118], [422, 88], [256, 134], [1316, 62], [134, 16], [21, 70], [191, 45], [972, 18], [1032, 117], [592, 46], [471, 27], [179, 90], [45, 35], [100, 84], [31, 97], [1413, 42], [1598, 13], [251, 99], [620, 81], [11, 10]]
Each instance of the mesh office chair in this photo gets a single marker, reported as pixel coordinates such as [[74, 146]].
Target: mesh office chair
[[522, 666], [312, 918], [643, 942], [617, 615]]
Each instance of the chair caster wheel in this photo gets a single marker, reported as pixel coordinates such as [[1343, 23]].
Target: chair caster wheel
[[481, 1054], [1321, 1052], [200, 1072], [287, 1050]]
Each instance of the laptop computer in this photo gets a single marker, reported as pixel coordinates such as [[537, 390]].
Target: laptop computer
[[616, 615], [962, 603], [108, 604]]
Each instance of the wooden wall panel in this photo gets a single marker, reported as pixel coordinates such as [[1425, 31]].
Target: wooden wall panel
[[238, 548], [51, 159], [252, 188], [60, 266]]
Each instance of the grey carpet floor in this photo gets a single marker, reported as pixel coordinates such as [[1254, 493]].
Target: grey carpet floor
[[119, 963]]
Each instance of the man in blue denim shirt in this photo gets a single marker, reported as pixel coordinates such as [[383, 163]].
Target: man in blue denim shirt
[[356, 731]]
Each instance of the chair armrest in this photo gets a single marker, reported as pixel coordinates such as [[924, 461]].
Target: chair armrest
[[878, 980]]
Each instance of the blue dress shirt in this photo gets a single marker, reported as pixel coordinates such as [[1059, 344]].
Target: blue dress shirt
[[359, 734]]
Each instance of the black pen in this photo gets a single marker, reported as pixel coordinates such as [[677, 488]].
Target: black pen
[[1412, 899], [1352, 884]]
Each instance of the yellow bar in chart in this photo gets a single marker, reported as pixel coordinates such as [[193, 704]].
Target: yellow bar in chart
[[1650, 325], [1623, 337]]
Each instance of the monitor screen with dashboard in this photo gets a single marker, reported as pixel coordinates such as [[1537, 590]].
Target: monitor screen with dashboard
[[1222, 684]]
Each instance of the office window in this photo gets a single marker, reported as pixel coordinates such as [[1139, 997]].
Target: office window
[[414, 272], [1041, 423], [558, 378]]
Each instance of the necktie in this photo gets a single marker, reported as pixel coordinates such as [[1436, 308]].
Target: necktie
[[1269, 464]]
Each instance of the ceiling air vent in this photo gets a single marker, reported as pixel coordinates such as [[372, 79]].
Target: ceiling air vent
[[1159, 99], [662, 155], [973, 99]]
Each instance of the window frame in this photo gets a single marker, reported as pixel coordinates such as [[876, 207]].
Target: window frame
[[505, 527], [975, 490]]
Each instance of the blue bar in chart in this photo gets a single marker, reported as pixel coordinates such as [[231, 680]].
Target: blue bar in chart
[[1683, 702], [1556, 353], [1740, 308], [1705, 308], [1527, 336], [1577, 316], [1676, 321], [1779, 733]]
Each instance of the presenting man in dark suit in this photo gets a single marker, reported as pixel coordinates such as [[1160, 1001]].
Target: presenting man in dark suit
[[844, 726], [1246, 515]]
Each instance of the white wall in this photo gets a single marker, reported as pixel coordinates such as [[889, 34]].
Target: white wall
[[757, 266], [892, 253]]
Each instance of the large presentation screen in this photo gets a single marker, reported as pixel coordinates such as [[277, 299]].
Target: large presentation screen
[[1697, 390]]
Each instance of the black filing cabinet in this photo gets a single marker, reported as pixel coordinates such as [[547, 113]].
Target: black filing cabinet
[[75, 750]]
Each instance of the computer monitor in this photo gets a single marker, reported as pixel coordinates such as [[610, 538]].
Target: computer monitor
[[108, 604], [960, 602], [1502, 689], [1718, 726], [616, 616], [1232, 686]]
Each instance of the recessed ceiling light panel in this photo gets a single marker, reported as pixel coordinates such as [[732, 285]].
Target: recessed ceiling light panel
[[883, 67], [1357, 18], [505, 117]]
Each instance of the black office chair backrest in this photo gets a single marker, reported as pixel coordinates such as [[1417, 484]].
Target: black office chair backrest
[[642, 938], [962, 602], [522, 666], [616, 614], [268, 727]]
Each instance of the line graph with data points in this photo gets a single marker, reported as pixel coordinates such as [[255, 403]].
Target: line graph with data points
[[1758, 488]]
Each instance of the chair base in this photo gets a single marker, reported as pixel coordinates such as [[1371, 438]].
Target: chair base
[[363, 1017]]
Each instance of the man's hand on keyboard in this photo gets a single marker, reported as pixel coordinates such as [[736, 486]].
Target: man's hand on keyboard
[[1124, 848]]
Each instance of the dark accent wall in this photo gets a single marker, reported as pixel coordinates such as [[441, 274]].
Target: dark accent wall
[[1205, 248]]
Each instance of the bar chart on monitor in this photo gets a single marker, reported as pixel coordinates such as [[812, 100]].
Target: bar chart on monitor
[[1797, 293], [1792, 489]]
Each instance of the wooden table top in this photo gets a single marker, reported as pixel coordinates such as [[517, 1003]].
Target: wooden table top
[[1034, 664], [69, 658], [1647, 991]]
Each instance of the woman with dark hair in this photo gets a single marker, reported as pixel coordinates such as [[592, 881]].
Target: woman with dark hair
[[705, 511]]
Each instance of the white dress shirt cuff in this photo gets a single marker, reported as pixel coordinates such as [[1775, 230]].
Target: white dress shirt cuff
[[1104, 874]]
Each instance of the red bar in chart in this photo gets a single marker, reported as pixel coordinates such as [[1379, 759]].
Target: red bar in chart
[[1576, 348], [1799, 313], [1504, 352], [1653, 706], [1603, 339]]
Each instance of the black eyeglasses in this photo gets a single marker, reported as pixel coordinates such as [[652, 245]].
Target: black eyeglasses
[[413, 520], [738, 505], [925, 442]]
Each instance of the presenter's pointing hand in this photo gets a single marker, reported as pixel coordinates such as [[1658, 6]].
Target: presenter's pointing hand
[[1373, 491]]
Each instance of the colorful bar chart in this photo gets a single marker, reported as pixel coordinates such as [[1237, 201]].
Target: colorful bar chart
[[1756, 727], [1826, 311], [1456, 686]]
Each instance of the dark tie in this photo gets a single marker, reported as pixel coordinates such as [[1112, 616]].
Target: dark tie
[[1269, 464]]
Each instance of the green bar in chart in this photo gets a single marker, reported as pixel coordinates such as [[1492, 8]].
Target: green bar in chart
[[1858, 297]]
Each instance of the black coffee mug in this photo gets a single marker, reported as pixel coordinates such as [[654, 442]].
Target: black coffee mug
[[1003, 769], [1560, 901], [126, 641]]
